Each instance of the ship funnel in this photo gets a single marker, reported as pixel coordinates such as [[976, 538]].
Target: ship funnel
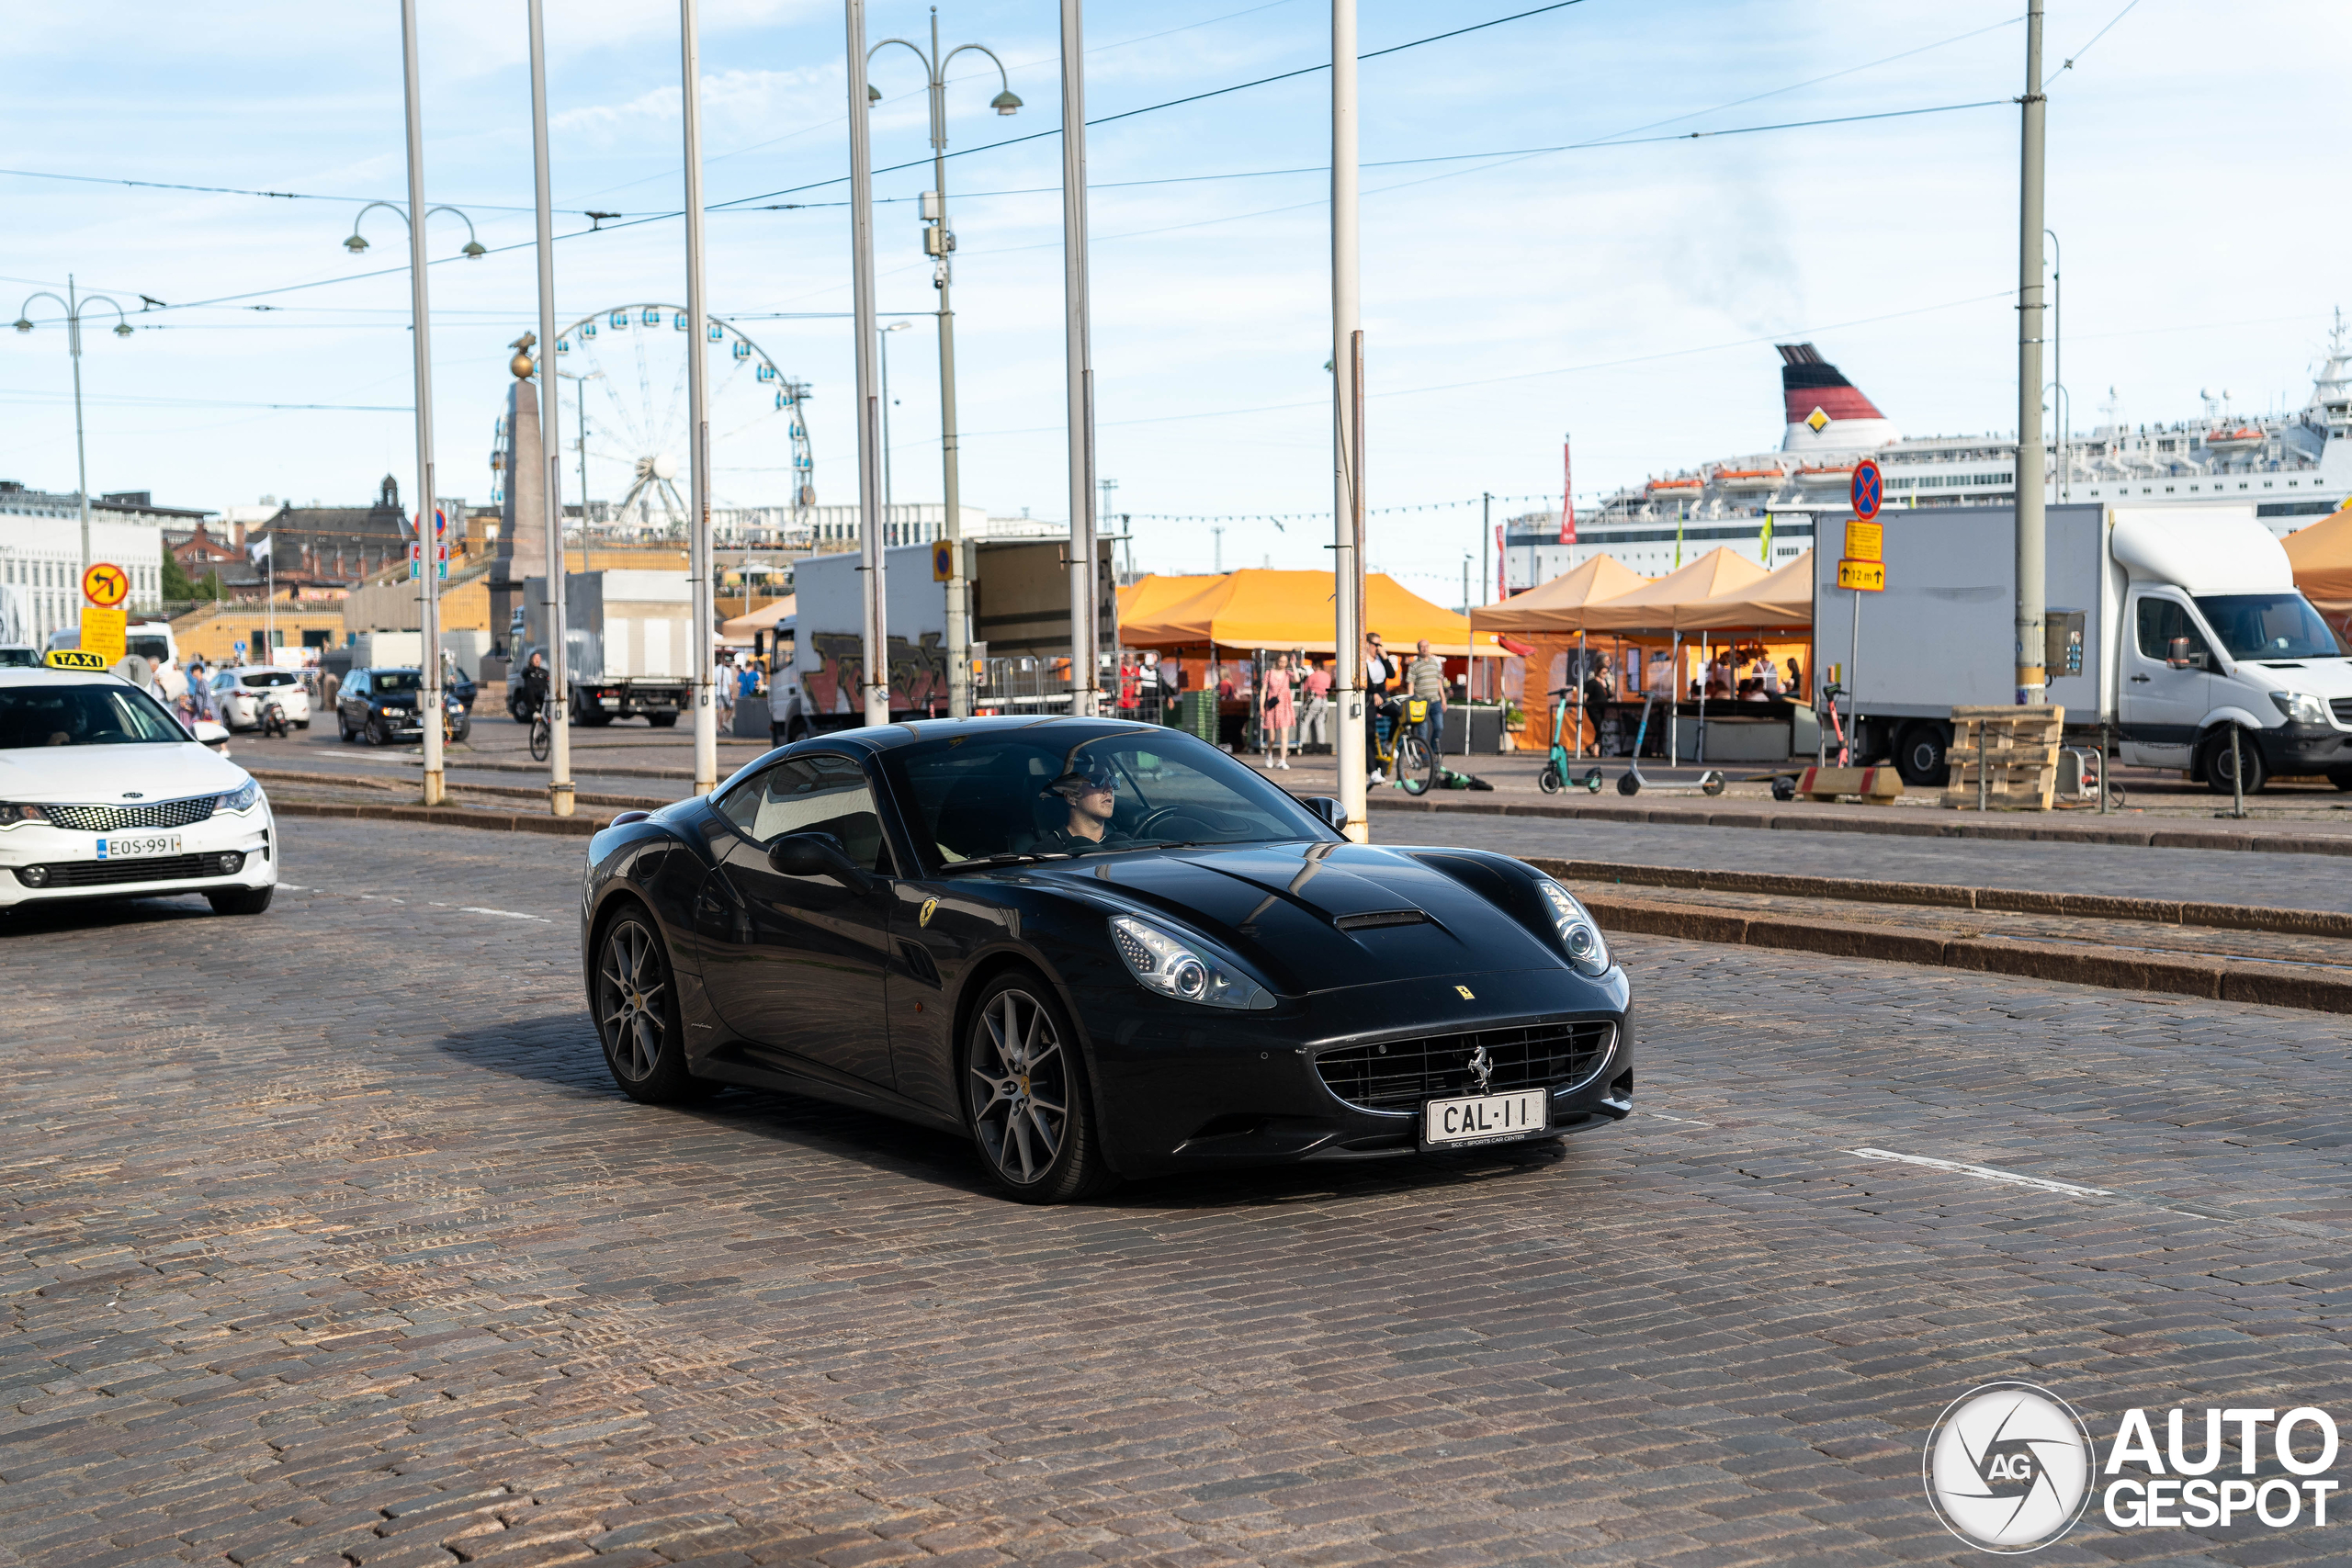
[[1824, 410]]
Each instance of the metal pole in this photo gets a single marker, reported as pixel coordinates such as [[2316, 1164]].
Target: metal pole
[[428, 552], [2032, 679], [560, 792], [882, 344], [1347, 505], [1673, 697], [875, 646], [959, 629], [81, 455], [1486, 527], [698, 562], [1081, 368], [1582, 667], [2065, 409], [1853, 693]]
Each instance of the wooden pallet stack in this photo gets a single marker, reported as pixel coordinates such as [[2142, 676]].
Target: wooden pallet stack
[[2003, 759]]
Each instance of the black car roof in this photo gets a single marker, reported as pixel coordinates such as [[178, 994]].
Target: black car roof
[[890, 736]]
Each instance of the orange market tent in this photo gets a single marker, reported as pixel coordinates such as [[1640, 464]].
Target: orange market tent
[[1653, 608], [762, 619], [1780, 601], [2322, 556], [1257, 608], [1154, 592], [1559, 605]]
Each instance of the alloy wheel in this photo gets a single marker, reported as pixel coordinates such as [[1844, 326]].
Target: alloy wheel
[[632, 1000], [1020, 1087]]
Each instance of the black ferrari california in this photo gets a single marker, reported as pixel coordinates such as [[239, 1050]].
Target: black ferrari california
[[1098, 949]]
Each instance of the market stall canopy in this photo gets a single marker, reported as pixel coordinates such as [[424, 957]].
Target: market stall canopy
[[2322, 556], [1147, 596], [1718, 572], [762, 619], [1257, 608], [1782, 602], [1558, 605]]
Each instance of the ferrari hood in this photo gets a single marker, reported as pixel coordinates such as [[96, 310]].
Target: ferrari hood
[[1323, 917]]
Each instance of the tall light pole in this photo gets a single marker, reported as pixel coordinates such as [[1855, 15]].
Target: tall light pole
[[698, 564], [560, 792], [883, 336], [2031, 504], [2064, 409], [1347, 424], [876, 643], [580, 405], [428, 533], [75, 304], [939, 244], [1081, 365]]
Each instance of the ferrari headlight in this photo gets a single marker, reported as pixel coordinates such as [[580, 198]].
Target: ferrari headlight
[[243, 799], [12, 812], [1579, 933], [1184, 968]]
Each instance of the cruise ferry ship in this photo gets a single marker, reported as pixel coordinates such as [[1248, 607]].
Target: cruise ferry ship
[[2293, 467]]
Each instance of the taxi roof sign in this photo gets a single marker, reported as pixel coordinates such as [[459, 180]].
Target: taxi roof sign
[[75, 658]]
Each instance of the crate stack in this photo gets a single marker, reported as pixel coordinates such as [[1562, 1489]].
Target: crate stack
[[1196, 713], [2003, 759]]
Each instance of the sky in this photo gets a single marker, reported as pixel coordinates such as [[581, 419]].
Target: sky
[[1624, 295]]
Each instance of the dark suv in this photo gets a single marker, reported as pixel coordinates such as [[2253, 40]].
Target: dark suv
[[381, 705]]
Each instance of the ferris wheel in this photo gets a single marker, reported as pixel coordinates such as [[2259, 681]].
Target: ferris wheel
[[624, 415]]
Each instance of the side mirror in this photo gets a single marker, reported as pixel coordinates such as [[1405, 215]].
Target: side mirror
[[815, 854], [1334, 815], [210, 734], [2177, 654]]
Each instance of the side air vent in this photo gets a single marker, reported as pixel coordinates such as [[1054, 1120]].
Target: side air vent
[[1381, 917]]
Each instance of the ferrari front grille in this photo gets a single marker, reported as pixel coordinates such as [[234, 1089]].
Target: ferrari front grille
[[1399, 1075]]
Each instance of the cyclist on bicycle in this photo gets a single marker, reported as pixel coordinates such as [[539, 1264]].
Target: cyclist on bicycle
[[531, 687]]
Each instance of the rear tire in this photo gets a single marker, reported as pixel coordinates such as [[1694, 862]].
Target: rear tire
[[2217, 762], [1025, 1094], [662, 720], [240, 900], [1921, 755], [1416, 765], [635, 996]]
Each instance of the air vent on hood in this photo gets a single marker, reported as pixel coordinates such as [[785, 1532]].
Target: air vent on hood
[[1381, 917]]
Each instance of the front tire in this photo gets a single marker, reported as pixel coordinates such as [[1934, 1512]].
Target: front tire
[[1548, 781], [1025, 1094], [2217, 762], [636, 1014], [240, 900]]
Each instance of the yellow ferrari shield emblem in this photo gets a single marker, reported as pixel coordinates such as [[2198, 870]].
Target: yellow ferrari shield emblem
[[1465, 993], [930, 908]]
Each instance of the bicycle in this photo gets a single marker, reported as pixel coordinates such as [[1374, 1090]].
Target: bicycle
[[1402, 749], [542, 733]]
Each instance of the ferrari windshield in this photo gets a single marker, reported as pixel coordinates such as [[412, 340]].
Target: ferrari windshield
[[1056, 789], [96, 714]]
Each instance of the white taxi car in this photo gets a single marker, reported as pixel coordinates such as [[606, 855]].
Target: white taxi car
[[239, 696], [104, 795]]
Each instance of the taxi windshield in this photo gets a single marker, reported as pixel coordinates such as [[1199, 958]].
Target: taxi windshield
[[107, 714], [1054, 790]]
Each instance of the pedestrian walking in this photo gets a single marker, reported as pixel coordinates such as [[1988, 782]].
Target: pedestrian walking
[[1377, 673], [1281, 714], [723, 687], [1424, 679], [1315, 729]]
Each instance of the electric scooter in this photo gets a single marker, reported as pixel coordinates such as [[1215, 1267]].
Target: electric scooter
[[1554, 777], [1632, 783]]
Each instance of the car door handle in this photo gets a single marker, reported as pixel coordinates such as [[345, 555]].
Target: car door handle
[[2142, 679]]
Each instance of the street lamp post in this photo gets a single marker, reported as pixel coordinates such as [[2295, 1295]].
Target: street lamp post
[[75, 304], [580, 405], [873, 677], [883, 334], [561, 797], [939, 243], [428, 534], [1080, 370], [703, 583]]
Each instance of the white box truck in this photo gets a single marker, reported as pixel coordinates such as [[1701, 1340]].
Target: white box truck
[[629, 643], [1020, 615], [2168, 626]]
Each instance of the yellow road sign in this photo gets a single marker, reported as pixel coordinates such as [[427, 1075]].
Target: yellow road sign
[[1864, 576], [102, 632], [943, 561], [106, 584], [73, 658], [1865, 541]]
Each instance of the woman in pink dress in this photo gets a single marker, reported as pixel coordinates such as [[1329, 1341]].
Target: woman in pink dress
[[1281, 715]]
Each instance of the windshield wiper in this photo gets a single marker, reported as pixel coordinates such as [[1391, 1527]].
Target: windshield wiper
[[1021, 857]]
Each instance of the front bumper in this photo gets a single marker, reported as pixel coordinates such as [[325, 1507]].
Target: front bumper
[[76, 870], [1183, 1087], [2303, 748]]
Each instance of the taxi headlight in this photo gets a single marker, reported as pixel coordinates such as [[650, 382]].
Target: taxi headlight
[[243, 799], [1579, 933], [14, 812], [1184, 967]]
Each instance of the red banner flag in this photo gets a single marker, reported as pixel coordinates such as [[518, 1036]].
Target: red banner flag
[[1567, 498], [1502, 568]]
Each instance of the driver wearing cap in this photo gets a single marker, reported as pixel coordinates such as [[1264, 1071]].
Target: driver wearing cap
[[1091, 787]]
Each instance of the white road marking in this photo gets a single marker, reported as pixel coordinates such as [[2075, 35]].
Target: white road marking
[[503, 914], [1686, 1121], [1985, 1173]]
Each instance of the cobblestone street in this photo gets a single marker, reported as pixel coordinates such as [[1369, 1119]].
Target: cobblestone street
[[329, 1240]]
